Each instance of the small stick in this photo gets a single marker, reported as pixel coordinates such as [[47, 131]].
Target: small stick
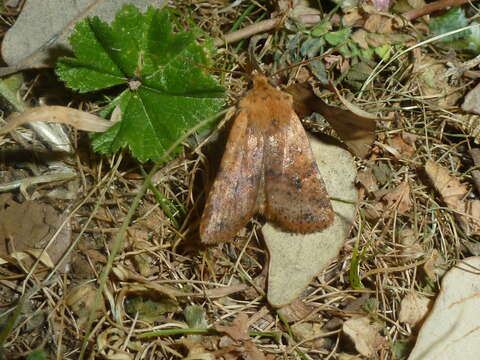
[[435, 6], [250, 30]]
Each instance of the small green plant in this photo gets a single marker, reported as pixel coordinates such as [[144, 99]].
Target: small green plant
[[467, 40], [165, 93]]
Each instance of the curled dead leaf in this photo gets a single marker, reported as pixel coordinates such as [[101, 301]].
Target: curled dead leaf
[[354, 126], [242, 347], [399, 198], [453, 193], [80, 120], [364, 334]]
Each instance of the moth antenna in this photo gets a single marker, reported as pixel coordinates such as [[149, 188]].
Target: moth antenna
[[252, 62]]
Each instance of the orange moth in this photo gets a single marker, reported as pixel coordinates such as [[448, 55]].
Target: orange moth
[[267, 168]]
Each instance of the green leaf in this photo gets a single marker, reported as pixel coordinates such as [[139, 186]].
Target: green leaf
[[338, 37], [467, 40], [452, 20], [321, 29], [384, 51], [37, 355], [165, 93]]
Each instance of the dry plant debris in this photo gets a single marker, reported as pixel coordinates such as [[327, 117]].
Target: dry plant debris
[[168, 298]]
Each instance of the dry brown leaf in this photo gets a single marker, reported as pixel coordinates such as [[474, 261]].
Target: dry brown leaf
[[80, 299], [379, 24], [138, 239], [80, 120], [27, 228], [243, 345], [366, 178], [403, 148], [196, 349], [431, 77], [435, 265], [374, 211], [472, 101], [453, 194], [309, 333], [364, 334], [354, 126], [295, 311], [352, 17], [225, 290], [29, 257], [413, 309], [399, 198], [345, 356], [238, 331], [411, 249], [360, 37]]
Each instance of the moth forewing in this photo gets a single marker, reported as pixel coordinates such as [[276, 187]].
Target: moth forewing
[[232, 200], [267, 166]]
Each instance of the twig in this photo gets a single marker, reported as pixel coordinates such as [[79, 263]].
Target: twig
[[435, 6], [250, 30]]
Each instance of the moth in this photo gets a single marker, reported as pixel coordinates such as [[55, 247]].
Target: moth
[[267, 168]]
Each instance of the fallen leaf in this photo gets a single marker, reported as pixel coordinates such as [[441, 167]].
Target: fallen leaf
[[80, 120], [434, 267], [451, 329], [413, 309], [411, 249], [374, 211], [243, 345], [352, 17], [196, 349], [28, 227], [399, 198], [296, 258], [295, 311], [238, 331], [380, 24], [40, 33], [344, 356], [472, 101], [376, 40], [364, 335], [80, 300], [431, 77], [309, 334], [360, 38], [403, 148], [148, 307], [366, 178], [453, 193], [357, 131], [138, 240]]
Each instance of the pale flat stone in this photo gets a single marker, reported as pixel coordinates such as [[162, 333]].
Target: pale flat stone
[[42, 29]]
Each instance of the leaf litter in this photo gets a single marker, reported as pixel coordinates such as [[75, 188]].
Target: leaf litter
[[390, 248]]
